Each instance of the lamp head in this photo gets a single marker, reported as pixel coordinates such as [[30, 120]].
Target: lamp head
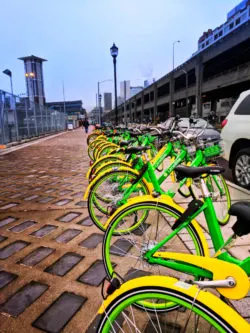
[[114, 51], [7, 72]]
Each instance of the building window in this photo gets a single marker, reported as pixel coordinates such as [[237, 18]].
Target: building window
[[237, 21], [231, 25], [215, 36], [207, 42], [220, 33], [202, 46]]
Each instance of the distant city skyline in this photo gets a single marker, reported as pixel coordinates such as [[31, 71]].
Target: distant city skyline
[[77, 49]]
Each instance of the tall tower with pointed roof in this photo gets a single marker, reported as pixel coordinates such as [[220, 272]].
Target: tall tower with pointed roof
[[33, 68]]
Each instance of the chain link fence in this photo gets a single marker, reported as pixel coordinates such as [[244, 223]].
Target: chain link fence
[[21, 119]]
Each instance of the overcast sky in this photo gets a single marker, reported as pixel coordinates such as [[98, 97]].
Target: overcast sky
[[75, 37]]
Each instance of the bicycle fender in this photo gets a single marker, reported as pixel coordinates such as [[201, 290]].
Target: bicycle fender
[[121, 162], [96, 179], [221, 270], [99, 160], [192, 291]]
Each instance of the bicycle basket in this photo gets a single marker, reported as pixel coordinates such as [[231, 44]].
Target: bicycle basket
[[212, 148]]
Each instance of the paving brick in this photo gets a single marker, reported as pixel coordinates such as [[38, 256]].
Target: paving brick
[[94, 275], [135, 273], [12, 248], [121, 247], [168, 326], [78, 194], [46, 199], [32, 197], [62, 202], [64, 192], [140, 231], [44, 231], [92, 241], [66, 184], [2, 238], [116, 326], [94, 325], [82, 204], [20, 301], [6, 278], [56, 317], [68, 235], [17, 195], [37, 189], [36, 256], [69, 217], [7, 220], [9, 205], [64, 264], [50, 190], [22, 226], [87, 222], [242, 306]]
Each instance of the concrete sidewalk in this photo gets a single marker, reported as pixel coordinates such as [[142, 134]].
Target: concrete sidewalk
[[50, 252]]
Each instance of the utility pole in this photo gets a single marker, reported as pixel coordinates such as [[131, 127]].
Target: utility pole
[[64, 106]]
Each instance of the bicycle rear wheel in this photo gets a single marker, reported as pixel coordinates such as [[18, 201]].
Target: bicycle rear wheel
[[197, 311]]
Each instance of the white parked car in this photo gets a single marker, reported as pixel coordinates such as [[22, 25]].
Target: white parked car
[[236, 136]]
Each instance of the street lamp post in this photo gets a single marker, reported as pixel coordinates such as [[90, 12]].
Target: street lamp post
[[114, 54], [186, 74], [172, 80], [9, 73]]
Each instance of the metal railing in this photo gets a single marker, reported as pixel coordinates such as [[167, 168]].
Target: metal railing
[[21, 119]]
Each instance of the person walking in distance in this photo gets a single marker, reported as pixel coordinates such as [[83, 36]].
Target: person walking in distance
[[85, 124]]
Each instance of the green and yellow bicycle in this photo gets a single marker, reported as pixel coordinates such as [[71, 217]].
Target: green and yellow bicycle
[[160, 245], [116, 185]]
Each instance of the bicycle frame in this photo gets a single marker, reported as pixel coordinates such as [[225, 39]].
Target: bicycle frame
[[151, 177], [217, 240]]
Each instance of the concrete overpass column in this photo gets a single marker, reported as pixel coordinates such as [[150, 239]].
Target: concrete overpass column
[[130, 112], [171, 101], [142, 106], [199, 79], [214, 104], [155, 102]]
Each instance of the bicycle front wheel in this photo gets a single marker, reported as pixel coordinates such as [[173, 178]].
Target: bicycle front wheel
[[124, 253], [108, 189], [217, 185], [197, 310]]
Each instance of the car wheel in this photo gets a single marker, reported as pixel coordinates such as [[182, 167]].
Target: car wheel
[[241, 168]]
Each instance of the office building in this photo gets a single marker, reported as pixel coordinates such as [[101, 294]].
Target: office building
[[238, 16], [107, 101], [125, 89], [33, 68], [73, 109], [135, 90]]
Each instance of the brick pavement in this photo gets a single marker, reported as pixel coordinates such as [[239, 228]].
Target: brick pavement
[[50, 253]]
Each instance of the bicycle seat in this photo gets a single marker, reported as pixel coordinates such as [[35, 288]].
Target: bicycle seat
[[194, 172], [241, 210], [125, 143], [134, 150], [135, 134]]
